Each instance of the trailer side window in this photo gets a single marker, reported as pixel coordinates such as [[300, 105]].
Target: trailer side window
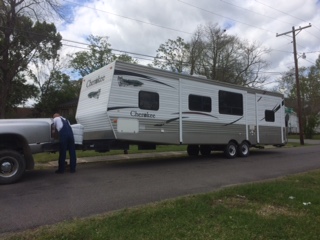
[[230, 103], [199, 103], [148, 100], [269, 115]]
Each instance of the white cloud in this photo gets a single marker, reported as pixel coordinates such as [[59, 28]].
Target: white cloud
[[142, 25]]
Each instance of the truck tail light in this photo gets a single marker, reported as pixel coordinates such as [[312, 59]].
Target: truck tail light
[[54, 133]]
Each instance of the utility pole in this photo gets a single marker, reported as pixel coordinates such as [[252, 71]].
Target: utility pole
[[294, 33]]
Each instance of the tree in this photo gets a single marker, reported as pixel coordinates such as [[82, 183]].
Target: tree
[[251, 62], [98, 55], [226, 58], [218, 53], [56, 90], [54, 86], [213, 53], [125, 58], [311, 99], [21, 41], [310, 94], [172, 55], [196, 49], [21, 92]]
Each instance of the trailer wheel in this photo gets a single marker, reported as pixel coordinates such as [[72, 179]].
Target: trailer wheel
[[12, 166], [231, 150], [193, 150], [244, 149], [205, 150]]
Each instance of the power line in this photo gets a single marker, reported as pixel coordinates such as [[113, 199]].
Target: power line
[[195, 7], [129, 52], [73, 46], [138, 54], [309, 61], [176, 29], [280, 50], [113, 49], [284, 12], [232, 4], [67, 45], [313, 52], [155, 57], [237, 20], [133, 19], [261, 85], [279, 10], [217, 14]]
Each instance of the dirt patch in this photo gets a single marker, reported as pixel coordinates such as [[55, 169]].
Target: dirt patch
[[270, 211], [233, 202]]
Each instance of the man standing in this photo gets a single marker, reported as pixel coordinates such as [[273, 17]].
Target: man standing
[[66, 142]]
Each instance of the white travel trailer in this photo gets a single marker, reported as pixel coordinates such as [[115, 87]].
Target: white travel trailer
[[122, 104]]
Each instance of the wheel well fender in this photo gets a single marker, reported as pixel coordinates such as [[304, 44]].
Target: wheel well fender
[[20, 144], [247, 141], [234, 141]]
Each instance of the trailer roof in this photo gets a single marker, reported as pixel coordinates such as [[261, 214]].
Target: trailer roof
[[176, 76]]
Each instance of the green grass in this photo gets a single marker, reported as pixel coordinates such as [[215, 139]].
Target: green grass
[[47, 157], [297, 136], [268, 210], [290, 145]]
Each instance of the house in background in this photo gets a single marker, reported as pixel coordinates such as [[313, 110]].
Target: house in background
[[292, 121], [22, 112], [68, 110]]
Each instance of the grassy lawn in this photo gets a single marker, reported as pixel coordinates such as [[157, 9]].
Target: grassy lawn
[[47, 157], [287, 208], [297, 136]]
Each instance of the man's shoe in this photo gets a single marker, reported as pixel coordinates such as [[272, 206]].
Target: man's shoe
[[72, 171], [58, 172]]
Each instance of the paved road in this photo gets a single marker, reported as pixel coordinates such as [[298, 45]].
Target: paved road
[[46, 198]]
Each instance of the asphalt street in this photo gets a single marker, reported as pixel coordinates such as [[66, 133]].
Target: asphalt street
[[43, 197]]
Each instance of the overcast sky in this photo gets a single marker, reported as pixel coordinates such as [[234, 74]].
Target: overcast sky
[[140, 26]]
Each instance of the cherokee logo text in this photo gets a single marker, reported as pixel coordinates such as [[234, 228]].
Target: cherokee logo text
[[139, 114], [95, 81]]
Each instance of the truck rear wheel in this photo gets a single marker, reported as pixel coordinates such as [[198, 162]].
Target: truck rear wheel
[[12, 166]]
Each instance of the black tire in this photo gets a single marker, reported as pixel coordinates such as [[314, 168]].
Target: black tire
[[193, 150], [244, 149], [231, 150], [12, 166], [205, 150]]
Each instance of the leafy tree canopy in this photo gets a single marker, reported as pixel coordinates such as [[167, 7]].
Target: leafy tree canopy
[[173, 55], [215, 54], [21, 42], [309, 79], [98, 55], [54, 91]]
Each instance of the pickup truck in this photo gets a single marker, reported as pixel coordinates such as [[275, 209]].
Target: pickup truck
[[19, 140]]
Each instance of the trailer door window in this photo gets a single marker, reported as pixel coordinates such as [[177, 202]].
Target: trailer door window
[[199, 103], [148, 100], [230, 103], [269, 115]]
